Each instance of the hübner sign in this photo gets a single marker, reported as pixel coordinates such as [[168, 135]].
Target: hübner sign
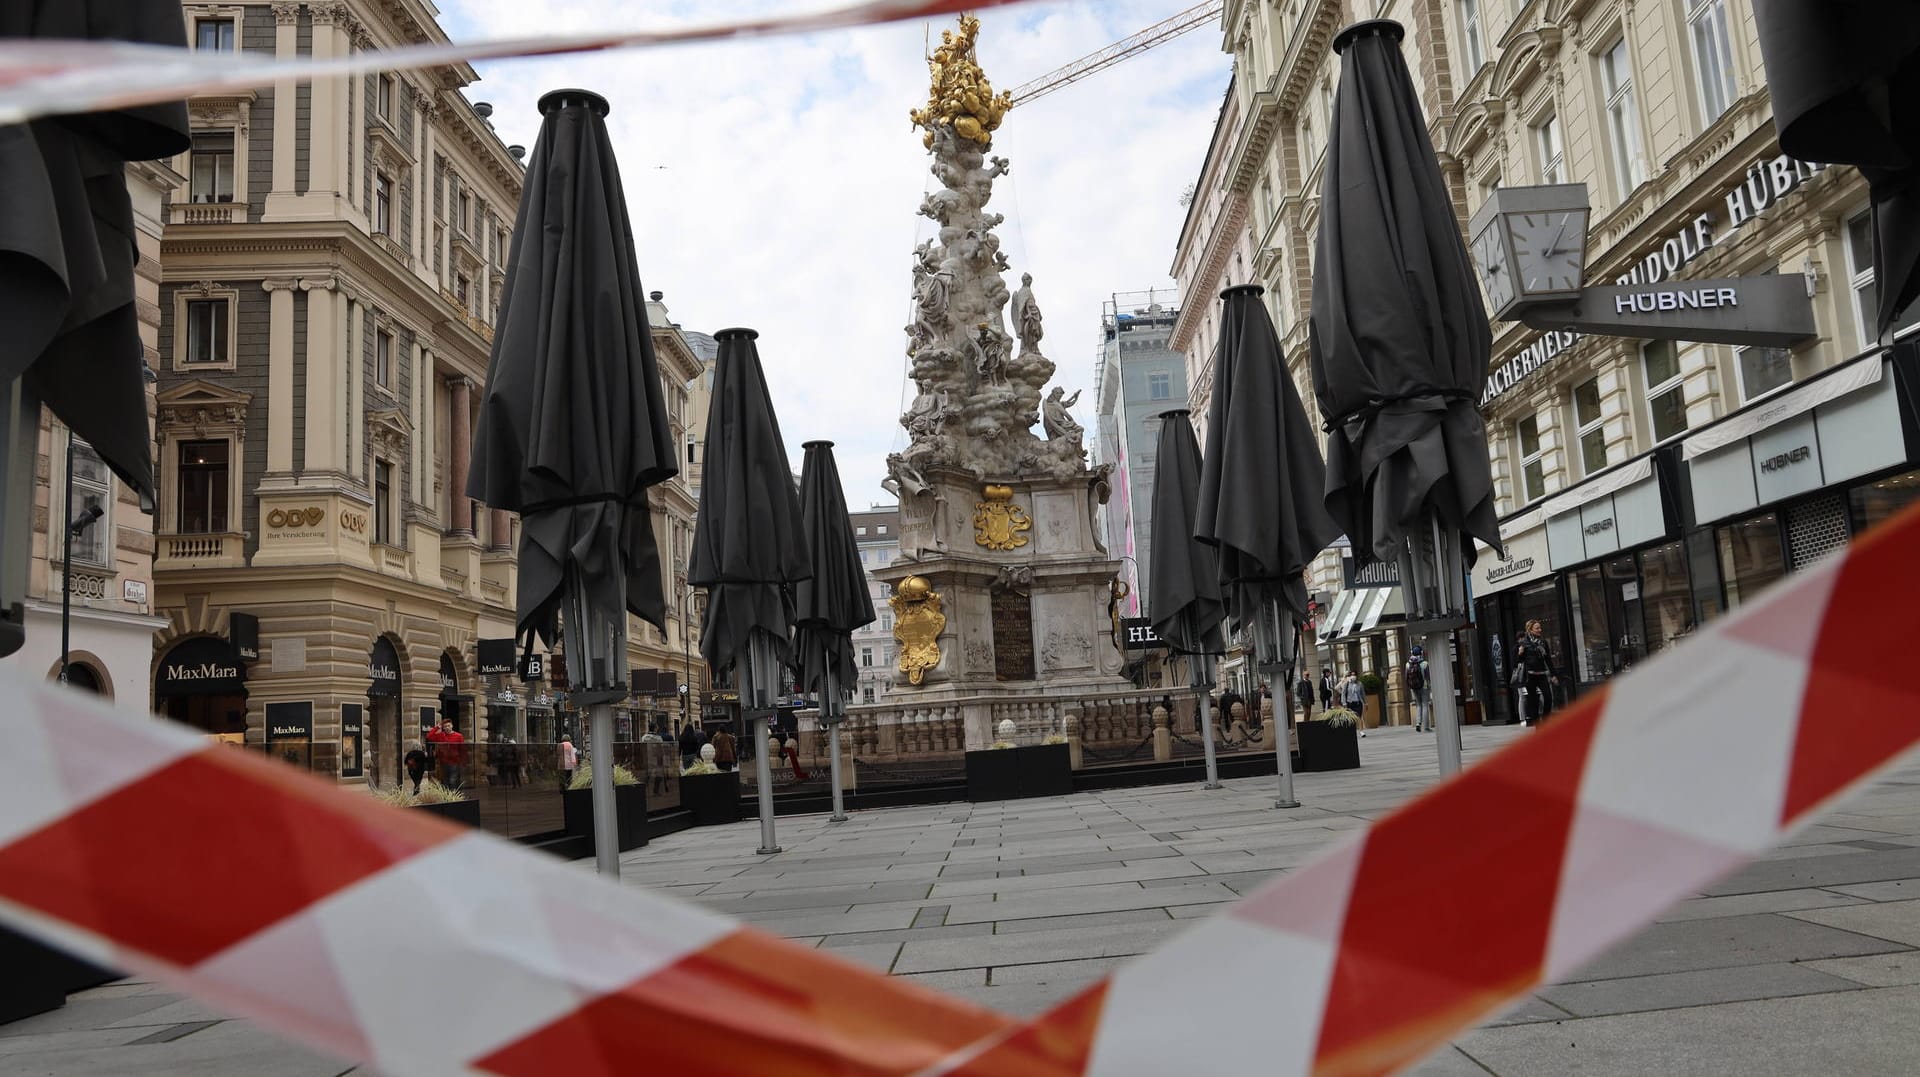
[[1675, 299]]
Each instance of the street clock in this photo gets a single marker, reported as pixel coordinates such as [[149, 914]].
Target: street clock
[[1530, 245]]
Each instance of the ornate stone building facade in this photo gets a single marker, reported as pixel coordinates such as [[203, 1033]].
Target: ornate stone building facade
[[1660, 107], [112, 620], [333, 264]]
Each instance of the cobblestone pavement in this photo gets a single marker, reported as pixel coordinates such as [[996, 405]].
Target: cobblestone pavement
[[1803, 963]]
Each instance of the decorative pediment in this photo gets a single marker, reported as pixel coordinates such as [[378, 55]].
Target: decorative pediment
[[1530, 54], [227, 109], [201, 408], [1474, 124], [389, 431]]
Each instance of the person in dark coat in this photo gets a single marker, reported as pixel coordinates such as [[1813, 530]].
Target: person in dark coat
[[1303, 691], [690, 742], [1533, 674], [1326, 688], [417, 764]]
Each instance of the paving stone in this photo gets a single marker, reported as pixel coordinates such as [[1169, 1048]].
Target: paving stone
[[1868, 1032], [1096, 919], [1019, 1000], [1890, 890], [1089, 899], [880, 955], [1857, 866], [1451, 1062], [1726, 942], [1074, 876], [1065, 944], [1873, 970], [90, 1013], [908, 934], [1528, 1011], [1765, 901], [930, 916], [1895, 921], [829, 897], [947, 980], [1073, 975], [1697, 988]]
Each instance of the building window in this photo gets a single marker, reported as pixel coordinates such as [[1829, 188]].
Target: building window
[[206, 331], [213, 35], [464, 218], [383, 358], [1713, 55], [1866, 298], [1666, 395], [866, 657], [1762, 371], [382, 204], [462, 289], [859, 530], [693, 450], [1159, 387], [880, 530], [203, 476], [92, 488], [866, 695], [383, 97], [211, 169], [1308, 151], [1588, 426], [1476, 53], [886, 622], [382, 498], [1533, 468], [1553, 154], [1623, 117]]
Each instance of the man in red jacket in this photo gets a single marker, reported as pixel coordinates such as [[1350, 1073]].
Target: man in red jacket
[[449, 752]]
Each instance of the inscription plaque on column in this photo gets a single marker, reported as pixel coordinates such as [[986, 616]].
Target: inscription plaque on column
[[1012, 636]]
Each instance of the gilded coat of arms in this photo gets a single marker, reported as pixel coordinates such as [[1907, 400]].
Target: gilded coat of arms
[[998, 523], [917, 624]]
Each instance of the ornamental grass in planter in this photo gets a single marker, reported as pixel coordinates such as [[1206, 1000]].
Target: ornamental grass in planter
[[629, 805], [1330, 742]]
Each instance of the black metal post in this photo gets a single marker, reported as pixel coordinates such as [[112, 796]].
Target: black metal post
[[66, 571]]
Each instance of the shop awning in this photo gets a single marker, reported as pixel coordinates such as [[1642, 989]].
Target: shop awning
[[1335, 616], [1386, 602]]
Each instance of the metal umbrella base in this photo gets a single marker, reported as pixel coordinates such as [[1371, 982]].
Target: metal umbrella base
[[757, 684], [1200, 670]]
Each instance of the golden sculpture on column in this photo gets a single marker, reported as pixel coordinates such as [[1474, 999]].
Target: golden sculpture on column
[[998, 523], [917, 624]]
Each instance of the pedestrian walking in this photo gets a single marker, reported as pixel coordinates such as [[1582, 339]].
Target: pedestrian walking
[[690, 742], [1303, 691], [569, 760], [509, 762], [1354, 696], [1416, 675], [417, 764], [724, 755], [1326, 688], [450, 753], [1533, 674]]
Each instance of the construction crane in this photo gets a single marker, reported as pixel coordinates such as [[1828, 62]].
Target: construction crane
[[1125, 49]]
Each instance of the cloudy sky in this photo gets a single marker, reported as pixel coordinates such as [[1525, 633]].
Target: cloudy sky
[[774, 184]]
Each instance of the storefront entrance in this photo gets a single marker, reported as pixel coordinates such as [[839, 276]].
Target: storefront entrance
[[384, 740], [201, 682]]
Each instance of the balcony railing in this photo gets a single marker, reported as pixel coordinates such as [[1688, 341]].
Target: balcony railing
[[209, 213], [200, 551]]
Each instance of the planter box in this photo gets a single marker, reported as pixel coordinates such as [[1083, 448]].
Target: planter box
[[629, 806], [464, 812], [712, 798], [1324, 746], [1041, 770]]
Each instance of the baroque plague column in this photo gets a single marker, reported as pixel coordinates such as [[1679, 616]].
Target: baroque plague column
[[1003, 588]]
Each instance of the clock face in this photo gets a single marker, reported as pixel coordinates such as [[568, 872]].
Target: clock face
[[1490, 258], [1549, 250]]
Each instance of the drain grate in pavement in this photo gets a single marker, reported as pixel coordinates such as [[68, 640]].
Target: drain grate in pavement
[[173, 1032]]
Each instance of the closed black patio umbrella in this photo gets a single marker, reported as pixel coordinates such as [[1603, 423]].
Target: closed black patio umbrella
[[832, 604], [1399, 344], [749, 545], [1845, 82], [1261, 494], [67, 252], [1183, 584], [572, 428]]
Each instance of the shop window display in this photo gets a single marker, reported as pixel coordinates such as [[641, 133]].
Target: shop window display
[[1666, 598], [1751, 557], [1876, 502]]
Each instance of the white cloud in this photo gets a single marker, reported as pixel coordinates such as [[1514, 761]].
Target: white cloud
[[774, 183]]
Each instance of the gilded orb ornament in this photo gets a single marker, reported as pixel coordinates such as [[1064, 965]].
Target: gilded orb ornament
[[958, 93]]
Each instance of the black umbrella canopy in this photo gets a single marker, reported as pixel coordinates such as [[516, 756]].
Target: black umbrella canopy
[[67, 238], [1261, 487], [749, 545], [1398, 338], [830, 605], [1845, 83], [572, 428], [1183, 583]]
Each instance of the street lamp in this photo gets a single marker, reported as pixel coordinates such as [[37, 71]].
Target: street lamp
[[82, 520]]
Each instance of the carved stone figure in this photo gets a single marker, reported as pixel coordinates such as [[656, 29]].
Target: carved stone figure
[[1013, 578], [1058, 423], [1026, 315]]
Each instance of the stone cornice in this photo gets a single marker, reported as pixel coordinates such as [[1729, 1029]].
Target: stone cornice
[[1220, 243], [1307, 45]]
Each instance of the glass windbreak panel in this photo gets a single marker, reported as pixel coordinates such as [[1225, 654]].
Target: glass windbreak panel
[[1624, 607], [1592, 643], [1666, 596], [1751, 557], [1875, 502]]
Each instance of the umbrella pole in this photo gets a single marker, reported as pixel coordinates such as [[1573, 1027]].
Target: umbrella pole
[[1283, 750], [831, 700], [1279, 675], [1439, 650], [606, 821], [759, 680], [1200, 669]]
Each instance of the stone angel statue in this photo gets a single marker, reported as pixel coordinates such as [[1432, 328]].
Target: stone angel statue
[[1054, 418], [1027, 318]]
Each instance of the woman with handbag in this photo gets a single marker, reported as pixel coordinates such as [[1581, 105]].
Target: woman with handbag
[[1533, 674]]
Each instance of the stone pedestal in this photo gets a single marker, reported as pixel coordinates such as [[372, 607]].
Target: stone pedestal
[[1024, 586]]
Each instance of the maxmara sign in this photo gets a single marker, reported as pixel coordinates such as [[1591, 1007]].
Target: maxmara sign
[[1642, 303]]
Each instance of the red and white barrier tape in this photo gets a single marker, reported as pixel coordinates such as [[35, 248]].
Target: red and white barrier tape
[[273, 895], [41, 78]]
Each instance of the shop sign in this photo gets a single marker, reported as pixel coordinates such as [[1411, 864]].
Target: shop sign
[[202, 666], [244, 630], [289, 722], [1545, 348], [533, 667], [1766, 183], [1526, 559], [1622, 518], [1799, 454], [352, 738], [449, 678], [1139, 634], [494, 657], [383, 669]]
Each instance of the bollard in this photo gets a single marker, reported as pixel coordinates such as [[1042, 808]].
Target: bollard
[[1162, 736], [1073, 740]]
